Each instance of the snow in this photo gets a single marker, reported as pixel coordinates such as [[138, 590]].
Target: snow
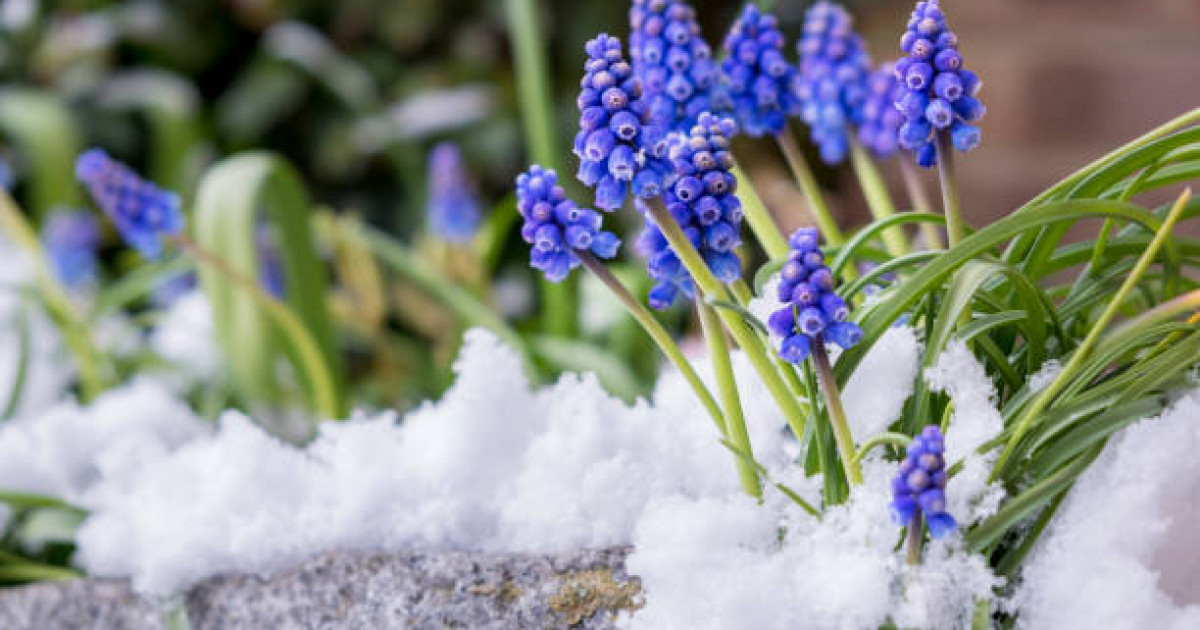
[[974, 420], [1122, 553], [875, 394]]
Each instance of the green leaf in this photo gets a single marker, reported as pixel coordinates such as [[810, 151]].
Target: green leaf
[[40, 125], [864, 236], [15, 392], [228, 202]]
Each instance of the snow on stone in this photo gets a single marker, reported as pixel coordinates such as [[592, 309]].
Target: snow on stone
[[1122, 552], [974, 421], [186, 338]]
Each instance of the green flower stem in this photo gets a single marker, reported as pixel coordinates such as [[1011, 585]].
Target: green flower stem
[[837, 413], [742, 333], [876, 193], [537, 119], [1082, 352], [326, 399], [899, 440], [920, 201], [951, 206], [657, 333], [808, 185], [75, 330], [913, 544], [735, 421], [761, 222]]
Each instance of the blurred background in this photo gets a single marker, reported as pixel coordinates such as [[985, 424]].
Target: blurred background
[[355, 93]]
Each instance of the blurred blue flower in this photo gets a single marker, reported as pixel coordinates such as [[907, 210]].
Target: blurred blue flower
[[142, 212], [812, 310], [453, 209], [920, 484], [881, 121], [937, 94], [760, 82], [71, 238], [672, 61], [620, 149], [832, 84], [556, 227], [702, 201]]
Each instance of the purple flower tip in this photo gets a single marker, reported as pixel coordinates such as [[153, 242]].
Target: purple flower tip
[[556, 227], [142, 212], [920, 483], [453, 209], [812, 309]]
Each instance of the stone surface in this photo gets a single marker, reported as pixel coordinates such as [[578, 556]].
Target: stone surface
[[357, 591]]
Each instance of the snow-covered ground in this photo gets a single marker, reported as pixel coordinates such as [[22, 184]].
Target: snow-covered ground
[[499, 464]]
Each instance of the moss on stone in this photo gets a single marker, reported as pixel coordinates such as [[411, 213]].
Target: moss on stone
[[585, 593]]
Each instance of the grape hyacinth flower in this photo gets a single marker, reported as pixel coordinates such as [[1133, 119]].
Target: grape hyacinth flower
[[812, 310], [672, 61], [937, 94], [141, 211], [556, 227], [920, 484], [618, 145], [831, 84], [453, 209], [880, 119], [71, 238], [702, 201], [757, 76]]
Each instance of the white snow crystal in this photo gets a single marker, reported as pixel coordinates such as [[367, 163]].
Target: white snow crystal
[[1122, 553], [875, 394], [974, 421], [64, 451], [48, 371]]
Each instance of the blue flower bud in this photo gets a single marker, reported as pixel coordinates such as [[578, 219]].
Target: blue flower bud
[[701, 201], [71, 238], [758, 80], [937, 91], [556, 227], [673, 62], [795, 349], [811, 308], [832, 84], [920, 482], [142, 212], [453, 210]]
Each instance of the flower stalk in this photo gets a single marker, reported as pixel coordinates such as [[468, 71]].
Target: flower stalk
[[919, 197], [837, 413], [735, 421], [878, 200], [809, 187], [951, 205]]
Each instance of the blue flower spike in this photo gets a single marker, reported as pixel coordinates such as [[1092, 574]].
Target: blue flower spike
[[760, 82], [919, 486], [832, 84], [673, 62], [702, 201], [812, 311], [880, 125], [619, 147], [142, 212], [556, 227], [937, 95], [453, 209], [71, 238]]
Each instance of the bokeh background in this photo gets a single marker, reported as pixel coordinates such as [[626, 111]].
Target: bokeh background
[[355, 91]]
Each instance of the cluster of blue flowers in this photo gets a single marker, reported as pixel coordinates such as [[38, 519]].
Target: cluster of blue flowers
[[759, 80], [71, 238], [142, 212], [834, 68], [880, 119], [702, 201], [672, 61], [920, 484], [618, 145], [812, 311], [452, 208], [556, 227], [938, 94]]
